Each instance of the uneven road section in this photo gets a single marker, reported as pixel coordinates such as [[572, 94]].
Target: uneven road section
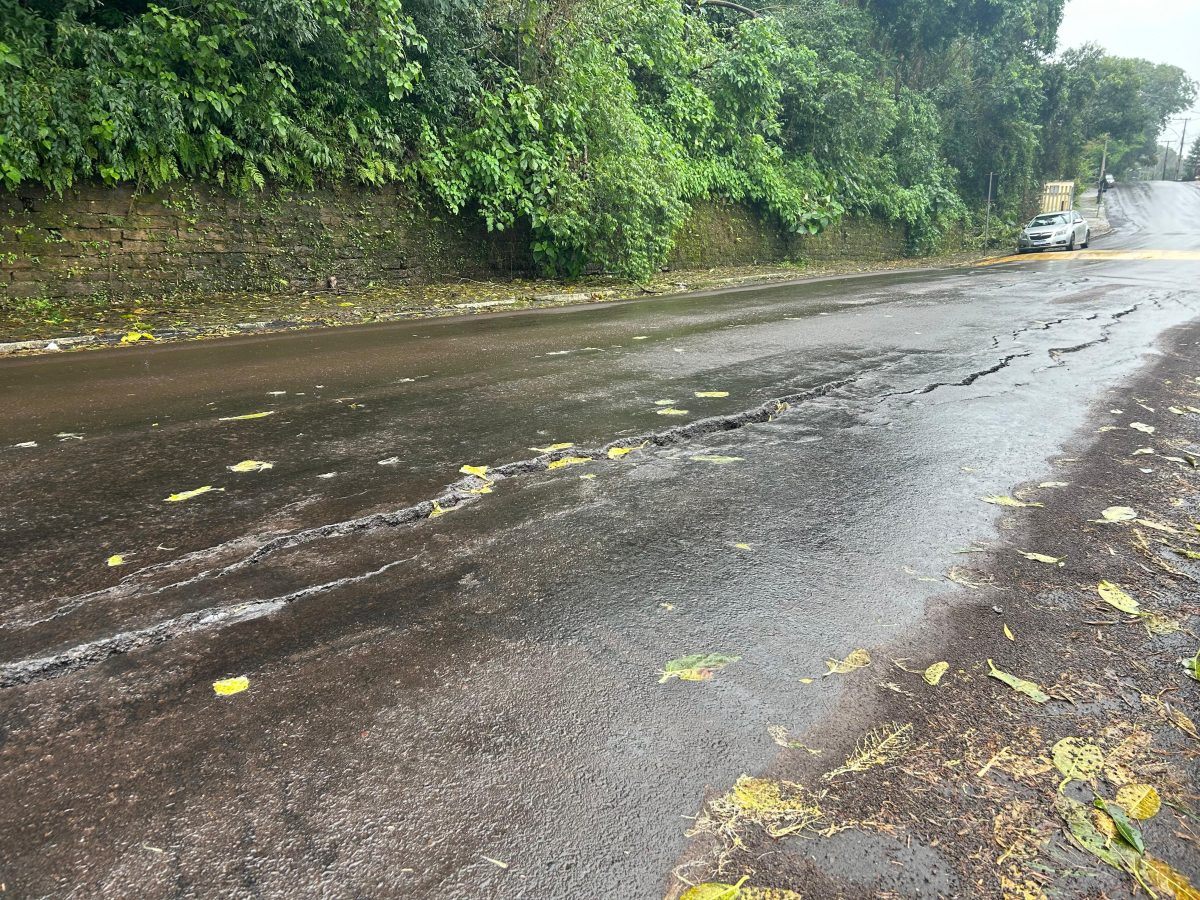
[[463, 700]]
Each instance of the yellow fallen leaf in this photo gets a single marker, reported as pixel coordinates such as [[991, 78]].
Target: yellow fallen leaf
[[1077, 759], [1142, 426], [1168, 880], [188, 495], [116, 560], [251, 465], [257, 415], [436, 511], [227, 686], [933, 674], [664, 402], [1043, 558], [717, 460], [345, 304], [1000, 500], [588, 477], [134, 336], [807, 680], [1118, 514], [743, 546], [1140, 801], [618, 452], [495, 862], [1008, 632], [1143, 451], [1053, 484], [485, 488], [551, 449], [477, 471], [858, 659], [1176, 410], [1117, 598], [1030, 689], [712, 393], [671, 411], [568, 461]]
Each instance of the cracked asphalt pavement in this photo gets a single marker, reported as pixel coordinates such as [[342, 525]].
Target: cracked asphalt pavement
[[460, 699]]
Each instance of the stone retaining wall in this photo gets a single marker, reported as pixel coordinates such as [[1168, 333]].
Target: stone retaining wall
[[110, 243]]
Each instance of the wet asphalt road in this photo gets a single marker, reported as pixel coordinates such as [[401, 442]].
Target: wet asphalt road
[[427, 694]]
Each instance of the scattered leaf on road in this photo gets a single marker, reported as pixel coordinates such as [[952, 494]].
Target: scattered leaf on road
[[1117, 598], [568, 461], [858, 659], [188, 495], [1008, 632], [618, 452], [695, 667], [551, 449], [227, 686], [1053, 484], [1000, 500], [1176, 410], [1193, 666], [664, 402], [933, 674], [1029, 688], [436, 510], [495, 862], [134, 336], [712, 393], [1077, 759], [1141, 801], [477, 471], [1142, 426], [1119, 514], [671, 411], [1143, 451], [257, 415], [714, 890], [1128, 831], [717, 460], [1043, 558], [251, 465], [878, 747], [116, 560], [743, 546]]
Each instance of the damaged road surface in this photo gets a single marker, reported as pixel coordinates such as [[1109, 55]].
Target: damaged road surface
[[496, 608]]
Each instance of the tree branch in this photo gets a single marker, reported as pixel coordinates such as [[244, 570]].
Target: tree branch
[[729, 4]]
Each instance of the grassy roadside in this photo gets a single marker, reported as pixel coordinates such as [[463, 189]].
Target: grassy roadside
[[94, 324], [982, 787]]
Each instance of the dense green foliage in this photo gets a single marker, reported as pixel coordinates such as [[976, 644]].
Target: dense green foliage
[[591, 124]]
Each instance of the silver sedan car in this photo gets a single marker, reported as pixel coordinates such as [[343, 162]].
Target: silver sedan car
[[1063, 230]]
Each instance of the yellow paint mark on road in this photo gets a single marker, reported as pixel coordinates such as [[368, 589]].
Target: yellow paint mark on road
[[1154, 255]]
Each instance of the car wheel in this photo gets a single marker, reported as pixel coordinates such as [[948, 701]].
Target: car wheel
[[1071, 244], [1087, 239]]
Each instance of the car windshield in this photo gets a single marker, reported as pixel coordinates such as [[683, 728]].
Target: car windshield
[[1043, 221]]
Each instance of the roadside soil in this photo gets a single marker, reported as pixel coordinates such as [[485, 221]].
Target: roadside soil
[[28, 326], [956, 789]]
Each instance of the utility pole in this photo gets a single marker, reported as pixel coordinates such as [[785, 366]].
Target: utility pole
[[987, 221], [1166, 152], [1179, 162], [1103, 165]]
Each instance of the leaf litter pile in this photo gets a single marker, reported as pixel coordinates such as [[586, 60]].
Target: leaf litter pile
[[1055, 758]]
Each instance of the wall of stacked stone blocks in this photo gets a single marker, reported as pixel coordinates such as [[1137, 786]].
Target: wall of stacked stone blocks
[[114, 243]]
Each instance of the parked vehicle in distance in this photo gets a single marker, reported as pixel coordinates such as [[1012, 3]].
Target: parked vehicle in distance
[[1109, 181], [1065, 230]]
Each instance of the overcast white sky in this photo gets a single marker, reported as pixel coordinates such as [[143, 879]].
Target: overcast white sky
[[1162, 31]]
